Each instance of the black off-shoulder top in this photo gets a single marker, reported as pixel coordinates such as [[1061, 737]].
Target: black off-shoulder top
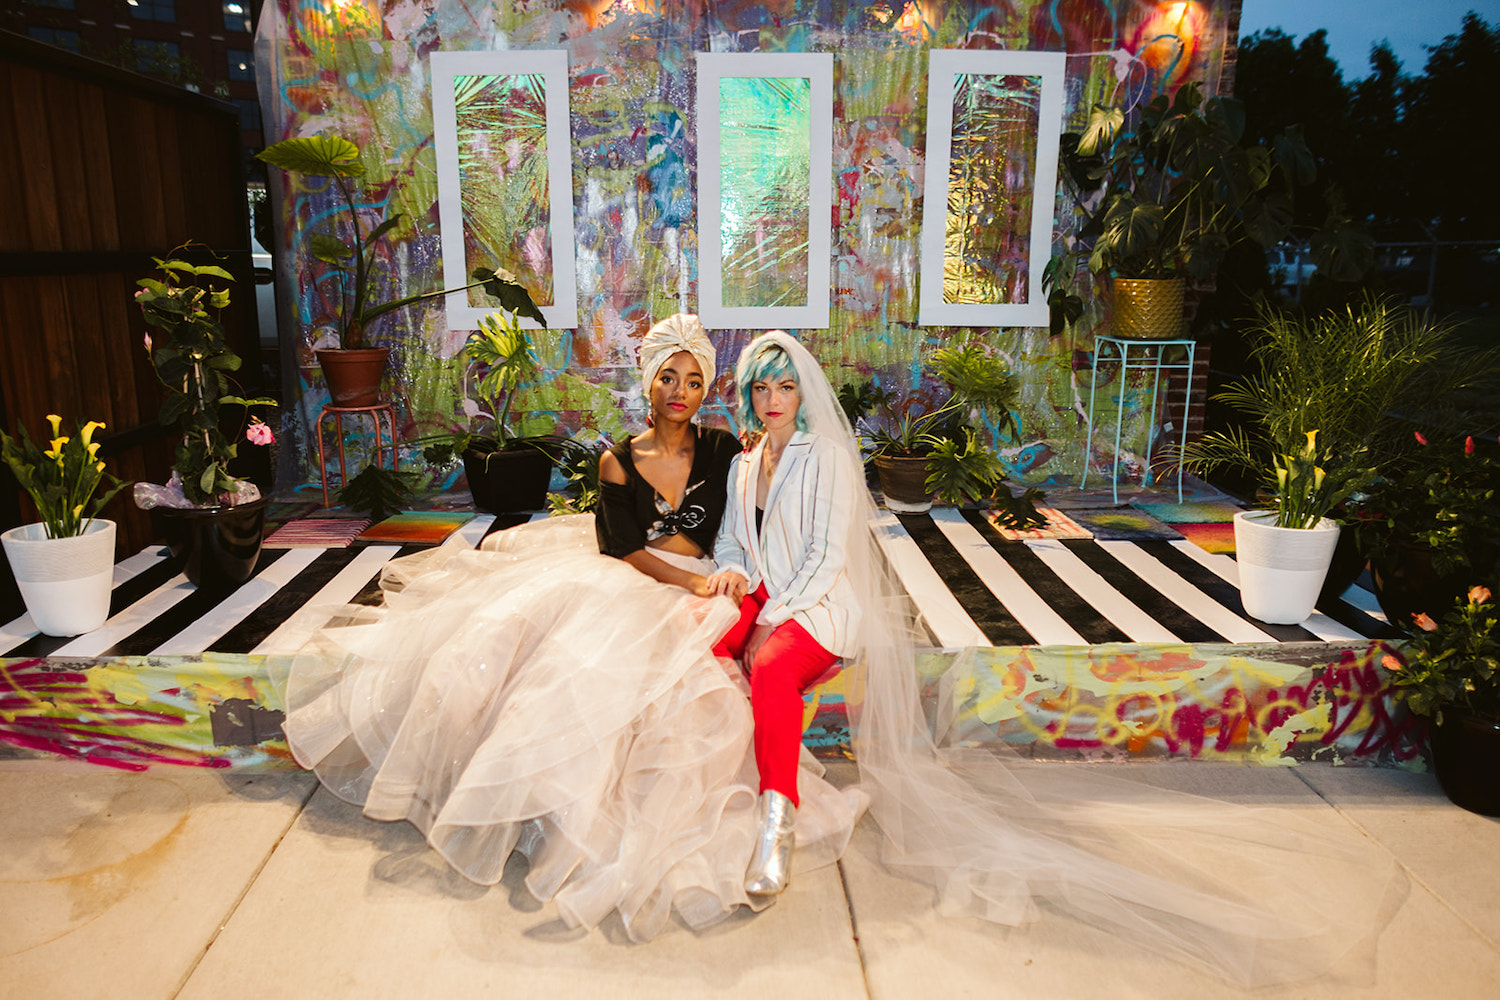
[[632, 513]]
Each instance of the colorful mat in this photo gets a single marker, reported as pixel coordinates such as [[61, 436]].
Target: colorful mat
[[1122, 524], [1200, 512], [316, 533], [416, 527], [1217, 538], [1059, 525]]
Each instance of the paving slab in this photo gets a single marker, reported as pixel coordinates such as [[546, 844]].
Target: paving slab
[[348, 907], [1453, 852], [113, 883], [1426, 950]]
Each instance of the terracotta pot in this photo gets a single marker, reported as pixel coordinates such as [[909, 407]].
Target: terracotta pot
[[903, 482], [354, 377], [217, 548], [1466, 760], [506, 482], [1149, 308]]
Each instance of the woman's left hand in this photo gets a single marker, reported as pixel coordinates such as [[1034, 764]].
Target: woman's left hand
[[730, 584]]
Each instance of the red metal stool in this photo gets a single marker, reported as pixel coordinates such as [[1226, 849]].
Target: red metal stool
[[337, 412]]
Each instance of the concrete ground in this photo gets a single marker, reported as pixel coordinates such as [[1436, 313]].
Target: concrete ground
[[218, 885]]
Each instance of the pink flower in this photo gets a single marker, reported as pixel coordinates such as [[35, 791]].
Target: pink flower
[[1419, 437], [1424, 622], [147, 339], [1468, 446], [259, 433], [1479, 594]]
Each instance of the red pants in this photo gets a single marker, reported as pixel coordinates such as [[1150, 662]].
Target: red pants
[[786, 664]]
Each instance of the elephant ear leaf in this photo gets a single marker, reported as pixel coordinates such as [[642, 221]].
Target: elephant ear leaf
[[513, 296], [319, 155], [329, 249]]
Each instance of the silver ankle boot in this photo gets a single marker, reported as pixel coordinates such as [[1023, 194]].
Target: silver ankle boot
[[770, 868]]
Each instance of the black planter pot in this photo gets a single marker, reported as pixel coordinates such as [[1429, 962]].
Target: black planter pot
[[1348, 563], [505, 482], [216, 547], [1407, 584], [1466, 760]]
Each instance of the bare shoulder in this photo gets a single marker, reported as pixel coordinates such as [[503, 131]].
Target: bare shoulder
[[610, 469]]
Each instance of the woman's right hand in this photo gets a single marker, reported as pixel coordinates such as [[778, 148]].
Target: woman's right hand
[[730, 584]]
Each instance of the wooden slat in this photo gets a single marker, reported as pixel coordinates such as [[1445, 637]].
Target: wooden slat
[[13, 230], [104, 225], [38, 190]]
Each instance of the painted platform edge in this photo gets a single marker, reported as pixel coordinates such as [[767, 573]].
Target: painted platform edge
[[1218, 702]]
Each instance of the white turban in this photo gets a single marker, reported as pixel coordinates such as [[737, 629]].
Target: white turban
[[682, 332]]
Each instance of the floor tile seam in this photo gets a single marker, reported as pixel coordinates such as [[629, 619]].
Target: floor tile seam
[[1405, 868], [234, 907], [859, 947]]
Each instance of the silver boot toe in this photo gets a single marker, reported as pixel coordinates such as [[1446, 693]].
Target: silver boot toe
[[770, 868]]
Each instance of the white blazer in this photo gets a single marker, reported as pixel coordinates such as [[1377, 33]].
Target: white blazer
[[800, 552]]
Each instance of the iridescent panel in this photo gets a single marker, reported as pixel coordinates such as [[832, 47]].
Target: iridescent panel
[[987, 237], [502, 164], [765, 136]]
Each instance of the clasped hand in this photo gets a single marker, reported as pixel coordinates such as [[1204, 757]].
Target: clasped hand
[[730, 584]]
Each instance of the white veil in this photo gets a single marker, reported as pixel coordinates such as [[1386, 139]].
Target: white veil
[[1258, 896]]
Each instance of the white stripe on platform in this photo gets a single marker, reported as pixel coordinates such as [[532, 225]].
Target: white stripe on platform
[[1046, 626], [1183, 594], [950, 624], [349, 581], [153, 605], [1358, 597], [1318, 623], [239, 605], [14, 633], [1105, 599], [473, 532]]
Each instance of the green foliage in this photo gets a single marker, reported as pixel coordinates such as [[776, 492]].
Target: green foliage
[[62, 479], [1353, 377], [192, 362], [1444, 497], [961, 471], [976, 382], [378, 491], [580, 463], [1453, 661], [1018, 513], [339, 158], [862, 399]]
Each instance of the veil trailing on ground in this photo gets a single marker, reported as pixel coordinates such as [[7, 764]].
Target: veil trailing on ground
[[1259, 896]]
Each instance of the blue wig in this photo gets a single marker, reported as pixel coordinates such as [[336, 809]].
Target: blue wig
[[769, 364]]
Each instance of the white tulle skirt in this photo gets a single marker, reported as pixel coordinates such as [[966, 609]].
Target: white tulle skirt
[[539, 697]]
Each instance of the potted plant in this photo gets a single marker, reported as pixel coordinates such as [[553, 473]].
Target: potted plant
[[1164, 202], [1428, 525], [939, 453], [212, 520], [1449, 671], [506, 471], [354, 369], [64, 563]]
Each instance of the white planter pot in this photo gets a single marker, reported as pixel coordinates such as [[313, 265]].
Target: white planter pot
[[65, 582], [1281, 569]]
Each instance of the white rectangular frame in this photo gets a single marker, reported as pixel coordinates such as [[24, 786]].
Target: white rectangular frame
[[552, 64], [817, 68], [943, 67]]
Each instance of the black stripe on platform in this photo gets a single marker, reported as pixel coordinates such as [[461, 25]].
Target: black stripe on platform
[[1218, 588], [1349, 616], [503, 521], [371, 595], [998, 625], [182, 614], [1078, 613], [120, 598], [1140, 593], [287, 601]]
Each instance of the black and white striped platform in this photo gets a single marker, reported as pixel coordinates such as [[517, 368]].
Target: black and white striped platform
[[973, 588]]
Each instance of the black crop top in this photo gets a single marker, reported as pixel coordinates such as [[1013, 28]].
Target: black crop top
[[632, 513]]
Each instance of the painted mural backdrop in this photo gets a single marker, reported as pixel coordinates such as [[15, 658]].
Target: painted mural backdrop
[[359, 68]]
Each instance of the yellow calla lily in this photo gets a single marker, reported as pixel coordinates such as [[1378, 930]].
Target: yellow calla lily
[[87, 434], [1312, 442], [56, 422]]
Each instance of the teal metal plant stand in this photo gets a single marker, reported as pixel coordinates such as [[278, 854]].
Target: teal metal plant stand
[[1142, 355]]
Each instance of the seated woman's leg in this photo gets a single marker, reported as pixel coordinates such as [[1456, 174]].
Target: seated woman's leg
[[785, 666], [732, 645]]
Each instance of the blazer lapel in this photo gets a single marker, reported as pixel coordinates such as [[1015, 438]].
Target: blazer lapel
[[796, 451]]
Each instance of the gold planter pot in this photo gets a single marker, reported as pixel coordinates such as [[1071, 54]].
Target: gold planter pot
[[1149, 308]]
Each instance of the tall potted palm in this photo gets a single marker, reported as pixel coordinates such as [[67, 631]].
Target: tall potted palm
[[354, 369]]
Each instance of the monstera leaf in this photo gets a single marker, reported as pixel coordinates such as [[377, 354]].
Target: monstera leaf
[[318, 155]]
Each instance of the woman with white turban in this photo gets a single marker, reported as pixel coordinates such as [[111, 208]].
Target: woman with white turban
[[555, 694]]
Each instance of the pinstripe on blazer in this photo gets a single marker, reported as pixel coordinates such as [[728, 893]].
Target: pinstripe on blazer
[[799, 554]]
